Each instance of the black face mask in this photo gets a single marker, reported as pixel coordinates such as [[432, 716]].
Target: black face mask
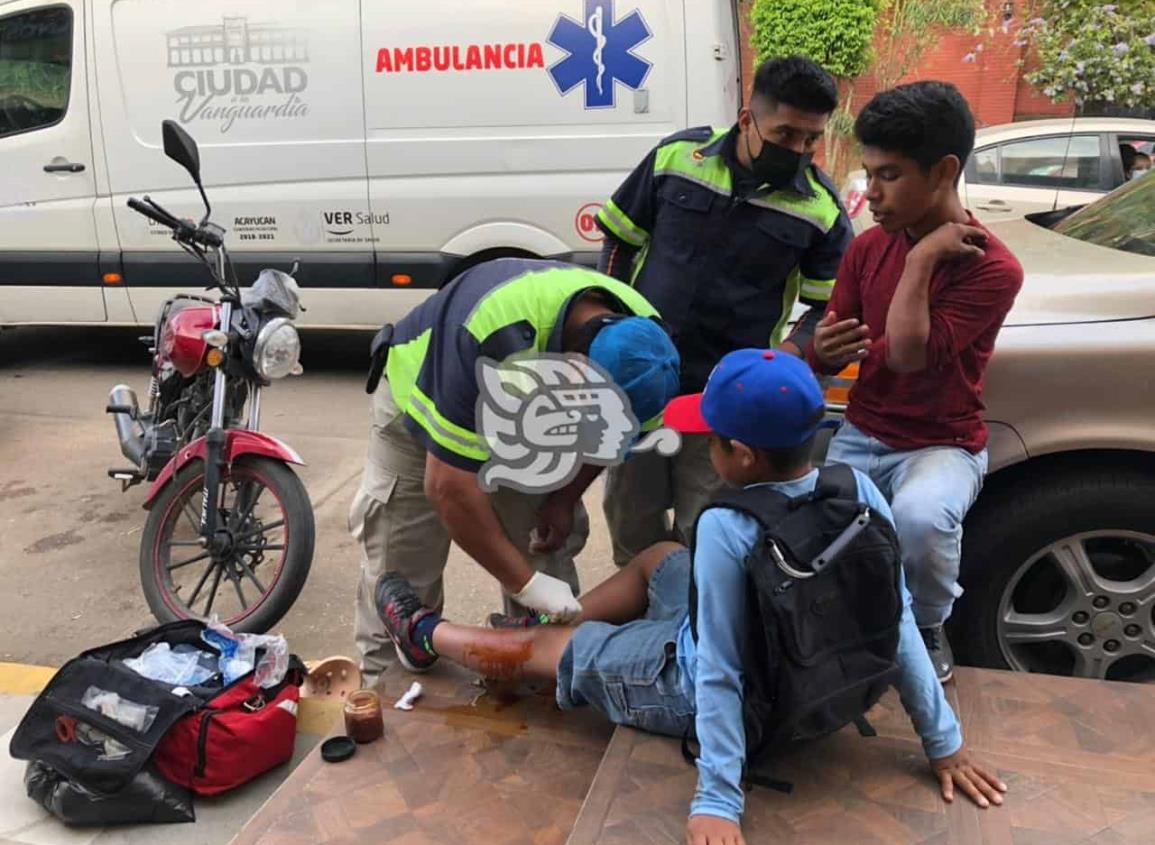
[[777, 166]]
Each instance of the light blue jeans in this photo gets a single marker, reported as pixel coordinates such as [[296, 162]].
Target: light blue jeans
[[930, 491]]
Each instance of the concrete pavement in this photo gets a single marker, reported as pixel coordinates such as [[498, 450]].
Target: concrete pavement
[[69, 538]]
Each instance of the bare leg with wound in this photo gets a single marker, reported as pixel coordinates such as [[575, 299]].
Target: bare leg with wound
[[531, 654]]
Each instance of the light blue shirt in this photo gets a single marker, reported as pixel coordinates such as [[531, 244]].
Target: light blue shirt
[[712, 667]]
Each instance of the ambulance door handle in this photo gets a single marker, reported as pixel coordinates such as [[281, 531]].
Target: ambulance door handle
[[63, 167]]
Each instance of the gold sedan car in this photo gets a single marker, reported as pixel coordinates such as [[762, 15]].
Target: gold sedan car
[[1059, 551]]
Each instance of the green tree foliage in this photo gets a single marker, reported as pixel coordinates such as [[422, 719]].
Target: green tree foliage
[[835, 33], [1093, 52]]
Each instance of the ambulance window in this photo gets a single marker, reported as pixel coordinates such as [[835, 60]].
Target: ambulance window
[[35, 69]]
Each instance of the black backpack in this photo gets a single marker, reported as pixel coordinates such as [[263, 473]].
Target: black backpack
[[823, 614]]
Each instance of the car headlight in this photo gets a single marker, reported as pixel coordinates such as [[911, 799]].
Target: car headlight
[[277, 350]]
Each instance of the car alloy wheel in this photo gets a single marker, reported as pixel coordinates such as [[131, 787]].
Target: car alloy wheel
[[1084, 606]]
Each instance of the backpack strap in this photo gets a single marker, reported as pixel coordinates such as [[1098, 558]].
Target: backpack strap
[[747, 777], [764, 506], [768, 507], [835, 481], [687, 753], [831, 552]]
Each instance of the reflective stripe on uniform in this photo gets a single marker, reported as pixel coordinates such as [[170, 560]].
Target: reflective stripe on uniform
[[618, 222], [450, 436], [684, 159], [520, 299], [640, 262], [819, 289], [405, 360], [789, 297], [820, 210]]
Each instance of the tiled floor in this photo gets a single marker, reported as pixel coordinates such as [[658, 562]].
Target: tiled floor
[[1079, 757], [500, 768], [506, 768]]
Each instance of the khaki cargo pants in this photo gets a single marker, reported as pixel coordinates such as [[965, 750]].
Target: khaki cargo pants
[[641, 490], [399, 531]]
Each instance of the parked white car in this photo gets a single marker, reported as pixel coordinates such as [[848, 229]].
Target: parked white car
[[1036, 165]]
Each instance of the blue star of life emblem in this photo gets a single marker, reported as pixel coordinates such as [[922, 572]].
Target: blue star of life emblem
[[600, 52]]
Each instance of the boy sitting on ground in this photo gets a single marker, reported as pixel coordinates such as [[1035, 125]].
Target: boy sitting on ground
[[632, 653]]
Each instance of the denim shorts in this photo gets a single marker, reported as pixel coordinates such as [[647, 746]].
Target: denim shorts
[[630, 672]]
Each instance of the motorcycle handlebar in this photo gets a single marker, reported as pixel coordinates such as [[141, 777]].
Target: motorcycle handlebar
[[154, 213], [211, 238], [182, 230]]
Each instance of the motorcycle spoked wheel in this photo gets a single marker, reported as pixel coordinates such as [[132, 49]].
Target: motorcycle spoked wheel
[[254, 582]]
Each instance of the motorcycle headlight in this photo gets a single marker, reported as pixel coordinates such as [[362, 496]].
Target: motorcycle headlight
[[277, 350]]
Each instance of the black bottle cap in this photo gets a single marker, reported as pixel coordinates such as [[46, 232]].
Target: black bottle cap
[[337, 749]]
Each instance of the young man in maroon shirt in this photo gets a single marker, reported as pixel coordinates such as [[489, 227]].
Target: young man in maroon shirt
[[918, 302]]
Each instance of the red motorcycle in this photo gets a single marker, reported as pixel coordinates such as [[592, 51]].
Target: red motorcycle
[[230, 526]]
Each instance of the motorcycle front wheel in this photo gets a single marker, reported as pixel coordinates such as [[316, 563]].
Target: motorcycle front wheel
[[262, 557]]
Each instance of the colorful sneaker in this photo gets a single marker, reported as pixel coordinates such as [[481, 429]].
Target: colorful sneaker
[[939, 650], [501, 622], [400, 609]]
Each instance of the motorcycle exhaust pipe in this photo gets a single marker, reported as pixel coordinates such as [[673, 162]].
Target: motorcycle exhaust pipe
[[125, 411]]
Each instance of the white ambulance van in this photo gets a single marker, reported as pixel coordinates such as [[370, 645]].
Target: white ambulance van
[[387, 145]]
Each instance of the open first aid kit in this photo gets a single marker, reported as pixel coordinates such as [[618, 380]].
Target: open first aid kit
[[183, 707]]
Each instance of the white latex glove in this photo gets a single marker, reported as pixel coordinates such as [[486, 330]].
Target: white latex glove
[[550, 596]]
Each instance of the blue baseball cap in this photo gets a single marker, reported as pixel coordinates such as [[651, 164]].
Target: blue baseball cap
[[759, 397], [642, 360]]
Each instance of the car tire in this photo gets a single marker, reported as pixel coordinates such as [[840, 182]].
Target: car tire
[[1012, 524]]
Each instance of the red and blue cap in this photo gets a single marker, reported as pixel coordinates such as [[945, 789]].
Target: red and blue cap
[[760, 397]]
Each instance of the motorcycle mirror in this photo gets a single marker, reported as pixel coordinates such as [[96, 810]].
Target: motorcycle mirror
[[301, 305], [181, 148]]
